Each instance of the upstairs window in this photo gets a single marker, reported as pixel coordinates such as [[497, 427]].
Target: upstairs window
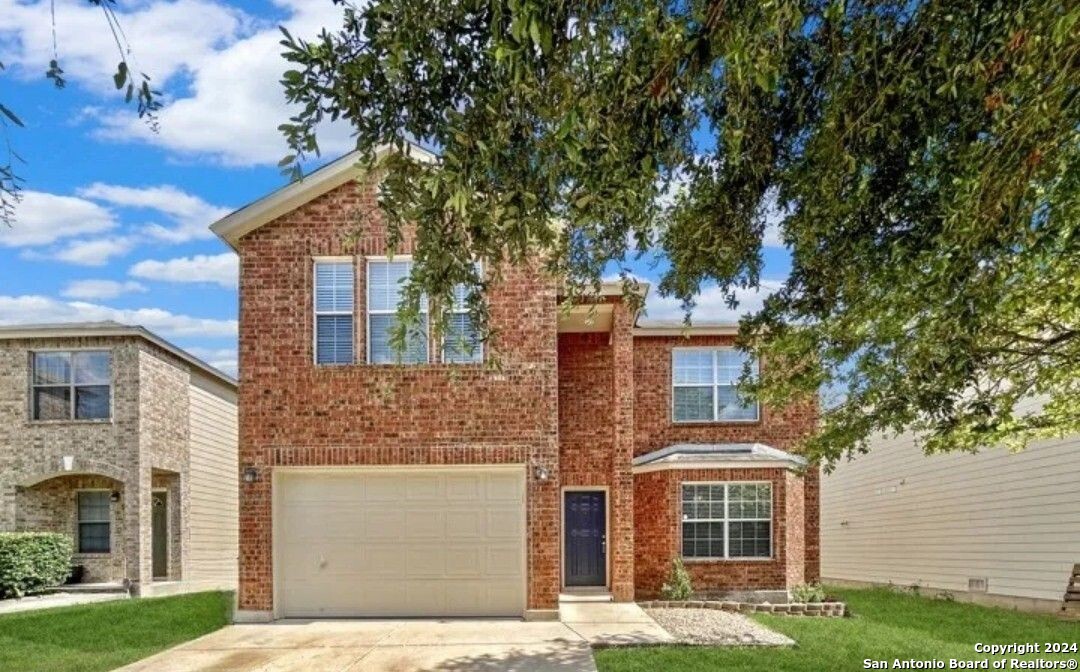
[[72, 385], [384, 284], [461, 343], [727, 520], [703, 386], [334, 312]]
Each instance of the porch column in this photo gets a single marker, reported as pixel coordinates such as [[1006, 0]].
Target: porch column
[[621, 543]]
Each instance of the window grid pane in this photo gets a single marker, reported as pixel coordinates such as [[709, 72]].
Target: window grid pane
[[739, 514], [52, 368], [334, 287], [92, 368], [52, 403], [382, 352], [460, 342], [92, 402], [717, 370], [334, 339], [693, 403]]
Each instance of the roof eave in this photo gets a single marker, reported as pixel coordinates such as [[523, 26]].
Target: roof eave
[[232, 227]]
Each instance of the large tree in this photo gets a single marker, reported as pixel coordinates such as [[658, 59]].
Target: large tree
[[921, 156]]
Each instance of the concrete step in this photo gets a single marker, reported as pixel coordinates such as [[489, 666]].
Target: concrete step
[[89, 588], [585, 596]]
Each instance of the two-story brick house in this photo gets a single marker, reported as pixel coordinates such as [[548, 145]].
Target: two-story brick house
[[597, 451], [117, 437]]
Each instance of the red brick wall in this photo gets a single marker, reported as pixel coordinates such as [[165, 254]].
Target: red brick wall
[[654, 429], [595, 432], [658, 534], [294, 413]]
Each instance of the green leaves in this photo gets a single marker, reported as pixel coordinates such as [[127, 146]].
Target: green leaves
[[921, 160]]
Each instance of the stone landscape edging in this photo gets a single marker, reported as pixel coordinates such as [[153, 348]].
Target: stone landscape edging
[[816, 609]]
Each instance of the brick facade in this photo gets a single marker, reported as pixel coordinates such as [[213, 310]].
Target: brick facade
[[293, 412], [142, 446], [779, 428], [579, 404]]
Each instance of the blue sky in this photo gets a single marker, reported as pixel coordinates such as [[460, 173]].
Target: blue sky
[[114, 220]]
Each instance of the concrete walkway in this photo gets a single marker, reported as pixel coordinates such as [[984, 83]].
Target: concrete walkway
[[612, 623], [34, 602], [411, 646]]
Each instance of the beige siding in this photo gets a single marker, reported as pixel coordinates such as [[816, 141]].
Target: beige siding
[[896, 515], [213, 494]]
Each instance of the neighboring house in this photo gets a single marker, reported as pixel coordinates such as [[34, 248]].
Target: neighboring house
[[127, 443], [994, 527], [595, 452]]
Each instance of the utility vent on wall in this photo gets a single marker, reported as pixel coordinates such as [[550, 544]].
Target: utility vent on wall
[[978, 585]]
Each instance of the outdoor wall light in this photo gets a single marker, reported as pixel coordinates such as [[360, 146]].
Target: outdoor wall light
[[541, 473], [251, 474], [114, 496]]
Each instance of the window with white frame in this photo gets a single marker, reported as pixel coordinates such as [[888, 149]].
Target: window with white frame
[[703, 386], [384, 284], [727, 520], [461, 343], [334, 312], [93, 521], [72, 385]]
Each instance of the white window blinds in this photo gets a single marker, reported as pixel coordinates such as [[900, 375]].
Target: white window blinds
[[334, 312]]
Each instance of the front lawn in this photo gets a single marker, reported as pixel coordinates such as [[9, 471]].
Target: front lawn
[[885, 625], [104, 636]]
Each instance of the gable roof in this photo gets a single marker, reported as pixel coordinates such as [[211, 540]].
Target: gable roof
[[109, 328], [235, 225]]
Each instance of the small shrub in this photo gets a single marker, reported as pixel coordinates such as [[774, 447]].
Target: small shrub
[[808, 592], [678, 586], [32, 561]]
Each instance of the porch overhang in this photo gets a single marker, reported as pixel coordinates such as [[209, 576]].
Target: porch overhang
[[717, 456]]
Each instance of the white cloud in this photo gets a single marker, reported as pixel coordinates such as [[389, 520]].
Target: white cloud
[[92, 252], [164, 36], [220, 358], [235, 101], [43, 218], [191, 216], [711, 305], [100, 289], [221, 269], [29, 309]]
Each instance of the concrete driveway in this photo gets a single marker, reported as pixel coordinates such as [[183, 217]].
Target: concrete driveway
[[397, 646], [413, 645]]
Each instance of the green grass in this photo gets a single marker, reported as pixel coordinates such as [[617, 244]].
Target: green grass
[[104, 636], [885, 625]]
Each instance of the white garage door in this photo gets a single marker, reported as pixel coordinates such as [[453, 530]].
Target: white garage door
[[404, 542]]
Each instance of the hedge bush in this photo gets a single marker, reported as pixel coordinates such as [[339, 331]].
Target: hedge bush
[[32, 561]]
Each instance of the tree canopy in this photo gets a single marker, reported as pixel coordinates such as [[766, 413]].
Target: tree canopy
[[922, 158]]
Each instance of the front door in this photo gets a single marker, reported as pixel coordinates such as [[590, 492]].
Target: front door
[[159, 523], [585, 527]]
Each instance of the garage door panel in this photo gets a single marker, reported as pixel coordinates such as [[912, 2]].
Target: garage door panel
[[323, 520], [505, 487], [381, 524], [503, 524], [425, 524], [438, 543], [425, 487], [503, 561], [464, 562], [464, 487]]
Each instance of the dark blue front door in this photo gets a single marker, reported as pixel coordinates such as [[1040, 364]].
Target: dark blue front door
[[586, 539]]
